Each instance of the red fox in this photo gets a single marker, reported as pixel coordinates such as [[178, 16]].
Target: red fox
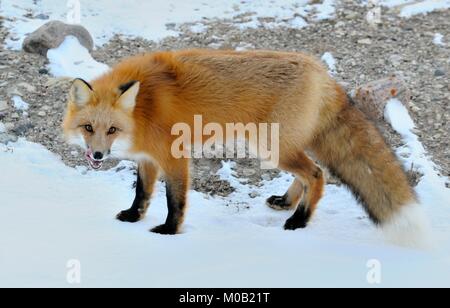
[[134, 106]]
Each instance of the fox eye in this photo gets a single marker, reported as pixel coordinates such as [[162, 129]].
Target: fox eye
[[112, 131], [89, 128]]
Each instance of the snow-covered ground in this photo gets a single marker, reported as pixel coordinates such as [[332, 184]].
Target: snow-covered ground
[[154, 19], [53, 216]]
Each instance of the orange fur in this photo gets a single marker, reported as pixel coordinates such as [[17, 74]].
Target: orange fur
[[292, 89]]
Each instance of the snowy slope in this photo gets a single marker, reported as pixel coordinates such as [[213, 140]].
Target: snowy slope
[[155, 19]]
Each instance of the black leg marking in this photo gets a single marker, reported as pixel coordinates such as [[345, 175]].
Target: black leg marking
[[300, 218], [139, 206], [175, 205], [279, 202]]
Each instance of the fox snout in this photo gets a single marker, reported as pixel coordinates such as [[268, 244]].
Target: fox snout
[[96, 158]]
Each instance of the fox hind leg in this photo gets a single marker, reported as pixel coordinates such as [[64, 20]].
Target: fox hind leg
[[289, 200], [311, 176], [146, 178]]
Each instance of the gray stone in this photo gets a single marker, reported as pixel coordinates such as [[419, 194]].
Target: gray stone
[[3, 106], [439, 73], [52, 34], [5, 138]]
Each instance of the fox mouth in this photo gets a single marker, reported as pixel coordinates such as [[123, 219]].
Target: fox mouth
[[95, 164]]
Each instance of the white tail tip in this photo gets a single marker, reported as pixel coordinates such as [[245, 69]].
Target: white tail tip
[[409, 227]]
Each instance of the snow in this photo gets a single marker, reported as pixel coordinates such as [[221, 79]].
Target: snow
[[2, 128], [394, 3], [432, 191], [19, 103], [424, 7], [199, 28], [154, 20], [330, 61], [73, 60], [438, 39]]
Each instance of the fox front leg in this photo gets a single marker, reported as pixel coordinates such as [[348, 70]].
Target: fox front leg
[[177, 184], [146, 179]]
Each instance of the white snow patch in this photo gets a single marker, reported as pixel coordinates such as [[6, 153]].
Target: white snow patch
[[330, 61], [394, 3], [19, 103], [424, 7], [73, 60], [198, 28], [324, 10], [226, 173], [2, 128], [432, 191], [438, 39], [298, 22], [151, 19]]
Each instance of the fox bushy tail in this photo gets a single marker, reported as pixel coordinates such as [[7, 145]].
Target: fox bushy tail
[[353, 150]]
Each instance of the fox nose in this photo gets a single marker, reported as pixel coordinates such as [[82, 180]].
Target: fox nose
[[98, 155]]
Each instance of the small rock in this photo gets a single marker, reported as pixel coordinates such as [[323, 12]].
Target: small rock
[[43, 71], [265, 177], [247, 172], [5, 138], [3, 106], [254, 194], [28, 87], [365, 41], [351, 15], [42, 17], [396, 60], [42, 113], [52, 34], [439, 73], [15, 115]]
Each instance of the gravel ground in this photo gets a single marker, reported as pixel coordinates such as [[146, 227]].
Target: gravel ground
[[363, 54]]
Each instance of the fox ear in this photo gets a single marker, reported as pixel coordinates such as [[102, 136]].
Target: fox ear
[[80, 93], [129, 93]]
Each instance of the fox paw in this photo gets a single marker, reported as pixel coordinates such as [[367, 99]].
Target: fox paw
[[295, 223], [165, 229], [278, 203], [129, 216]]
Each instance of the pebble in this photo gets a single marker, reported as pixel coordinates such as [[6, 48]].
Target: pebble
[[365, 41], [5, 138], [3, 106], [42, 113], [265, 177], [439, 73], [254, 194]]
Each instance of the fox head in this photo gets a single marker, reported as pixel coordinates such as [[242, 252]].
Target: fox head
[[100, 118]]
